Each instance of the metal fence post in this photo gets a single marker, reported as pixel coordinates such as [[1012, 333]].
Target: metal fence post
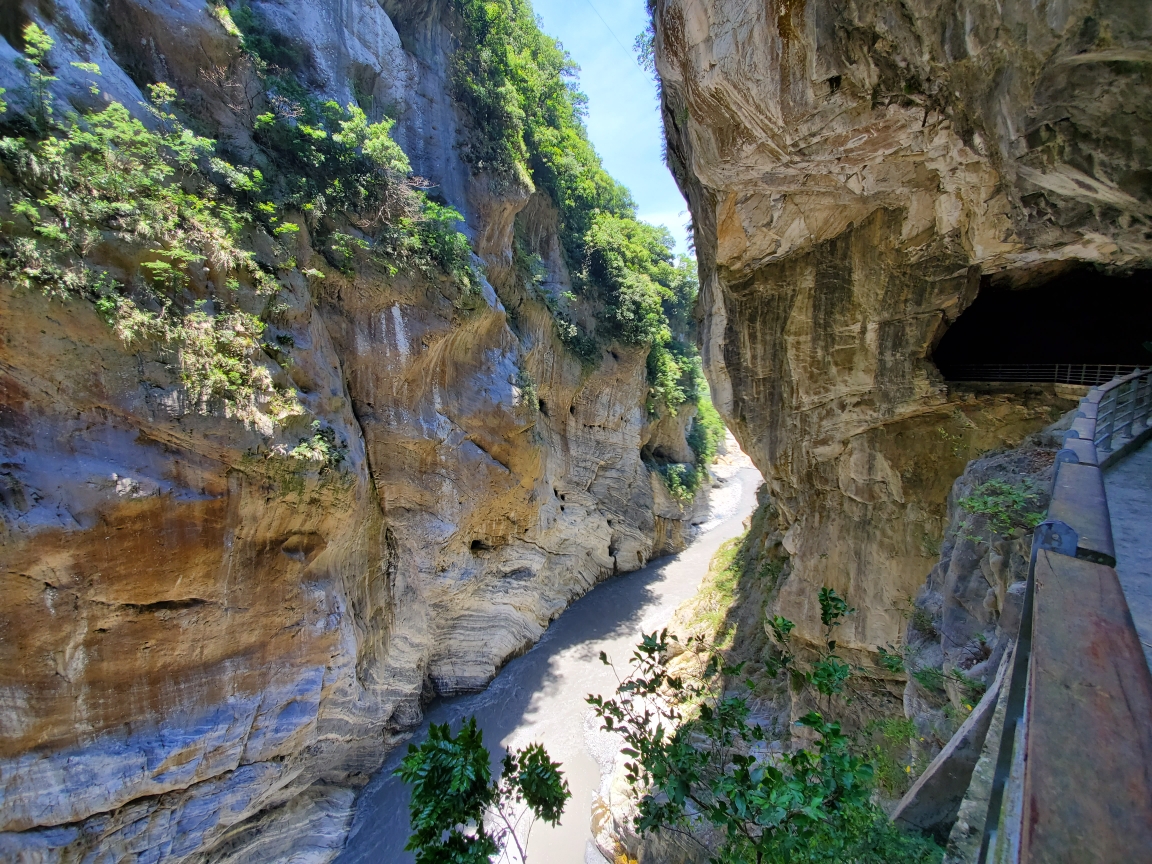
[[1108, 407], [1129, 412]]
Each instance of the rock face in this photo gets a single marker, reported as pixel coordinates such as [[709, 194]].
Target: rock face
[[856, 174], [966, 617], [206, 645]]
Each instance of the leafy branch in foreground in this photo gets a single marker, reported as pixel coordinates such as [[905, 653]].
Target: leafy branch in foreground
[[828, 673], [453, 793], [695, 759]]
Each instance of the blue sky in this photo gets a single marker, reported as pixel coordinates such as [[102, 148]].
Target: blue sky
[[623, 114]]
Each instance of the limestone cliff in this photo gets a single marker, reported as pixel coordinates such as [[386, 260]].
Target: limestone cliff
[[857, 173], [215, 624]]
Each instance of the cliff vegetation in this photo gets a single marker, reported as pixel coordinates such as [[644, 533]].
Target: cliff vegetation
[[525, 128], [712, 764], [301, 421], [79, 183]]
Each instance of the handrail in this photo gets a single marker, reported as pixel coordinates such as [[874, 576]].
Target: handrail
[[1123, 407], [1071, 778], [1089, 374]]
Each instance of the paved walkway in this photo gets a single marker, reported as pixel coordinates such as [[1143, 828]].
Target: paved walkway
[[1129, 487]]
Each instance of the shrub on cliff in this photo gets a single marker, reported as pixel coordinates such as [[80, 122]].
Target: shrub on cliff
[[330, 159], [517, 86], [106, 175], [1004, 506], [188, 215], [694, 757], [628, 260], [707, 431], [683, 480]]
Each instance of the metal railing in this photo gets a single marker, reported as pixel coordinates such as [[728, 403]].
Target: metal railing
[[1123, 410], [1090, 374], [1071, 783]]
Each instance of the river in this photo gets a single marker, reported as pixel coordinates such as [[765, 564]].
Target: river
[[540, 695]]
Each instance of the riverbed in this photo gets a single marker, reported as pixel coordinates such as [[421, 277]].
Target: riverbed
[[540, 695]]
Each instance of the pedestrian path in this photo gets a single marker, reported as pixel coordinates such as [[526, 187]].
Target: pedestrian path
[[1129, 487]]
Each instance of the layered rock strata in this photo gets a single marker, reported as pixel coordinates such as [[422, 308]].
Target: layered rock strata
[[207, 644], [856, 174]]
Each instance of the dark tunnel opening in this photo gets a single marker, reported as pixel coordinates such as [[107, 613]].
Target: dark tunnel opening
[[1083, 326]]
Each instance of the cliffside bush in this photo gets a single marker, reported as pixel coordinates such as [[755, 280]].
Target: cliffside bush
[[331, 159], [517, 86], [188, 215], [106, 175], [707, 430], [696, 758], [1005, 506], [630, 262], [322, 447], [683, 480], [890, 753]]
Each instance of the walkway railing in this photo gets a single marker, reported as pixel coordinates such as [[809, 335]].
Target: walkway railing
[[1073, 778], [1090, 374]]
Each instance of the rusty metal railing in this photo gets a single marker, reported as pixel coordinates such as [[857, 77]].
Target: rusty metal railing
[[1073, 777]]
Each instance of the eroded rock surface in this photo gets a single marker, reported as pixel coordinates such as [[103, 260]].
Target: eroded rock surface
[[856, 174], [207, 644]]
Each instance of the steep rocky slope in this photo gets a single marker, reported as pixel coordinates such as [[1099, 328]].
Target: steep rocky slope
[[218, 616], [857, 173]]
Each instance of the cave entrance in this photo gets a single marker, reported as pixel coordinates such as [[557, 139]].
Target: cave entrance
[[1081, 327]]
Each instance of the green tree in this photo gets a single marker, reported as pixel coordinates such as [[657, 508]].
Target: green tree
[[34, 61], [453, 791], [695, 758]]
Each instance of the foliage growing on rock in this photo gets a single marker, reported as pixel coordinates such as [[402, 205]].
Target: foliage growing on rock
[[322, 447], [683, 480], [1005, 506], [189, 214], [894, 763], [331, 159], [526, 116], [707, 431], [105, 176], [517, 86], [695, 758]]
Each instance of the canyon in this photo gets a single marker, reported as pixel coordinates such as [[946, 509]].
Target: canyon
[[208, 642], [220, 622]]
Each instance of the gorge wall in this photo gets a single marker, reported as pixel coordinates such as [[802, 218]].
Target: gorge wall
[[216, 623], [857, 173]]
